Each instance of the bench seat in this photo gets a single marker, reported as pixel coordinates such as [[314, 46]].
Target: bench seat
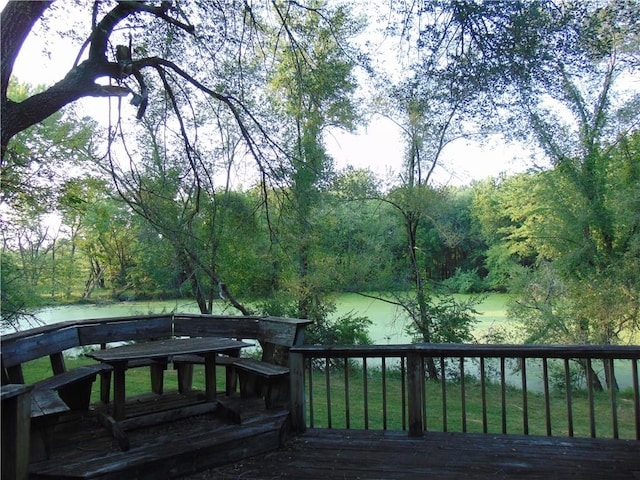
[[257, 378], [266, 377], [73, 386], [184, 366], [263, 379], [46, 403], [54, 396]]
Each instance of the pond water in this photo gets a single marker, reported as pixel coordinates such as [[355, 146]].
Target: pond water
[[388, 322]]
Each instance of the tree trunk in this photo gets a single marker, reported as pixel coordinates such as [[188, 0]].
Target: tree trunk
[[612, 383], [16, 21]]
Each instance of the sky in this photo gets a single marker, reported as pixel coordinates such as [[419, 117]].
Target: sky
[[377, 146]]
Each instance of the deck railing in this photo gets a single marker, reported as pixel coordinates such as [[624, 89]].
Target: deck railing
[[559, 390]]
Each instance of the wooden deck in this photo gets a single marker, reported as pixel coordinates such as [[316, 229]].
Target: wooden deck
[[358, 454], [83, 448], [241, 441]]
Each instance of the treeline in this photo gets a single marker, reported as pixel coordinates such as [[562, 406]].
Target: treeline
[[94, 245], [524, 233]]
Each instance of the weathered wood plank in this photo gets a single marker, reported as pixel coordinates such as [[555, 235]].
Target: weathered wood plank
[[146, 328], [170, 415], [264, 369], [16, 408], [170, 453], [46, 402], [215, 326], [297, 401], [285, 332], [415, 386], [321, 454], [27, 348], [73, 386]]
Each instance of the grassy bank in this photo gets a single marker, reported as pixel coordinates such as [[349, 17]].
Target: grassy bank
[[453, 420]]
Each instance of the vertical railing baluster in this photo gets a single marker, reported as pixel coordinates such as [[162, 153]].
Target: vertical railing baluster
[[327, 372], [347, 405], [423, 393], [365, 388], [636, 395], [547, 398], [384, 393], [567, 382], [503, 395], [592, 414], [614, 401], [443, 383], [525, 404], [311, 423], [403, 387], [463, 396], [483, 393]]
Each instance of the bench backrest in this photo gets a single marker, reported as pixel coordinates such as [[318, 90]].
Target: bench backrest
[[120, 329], [277, 335], [185, 325], [20, 348]]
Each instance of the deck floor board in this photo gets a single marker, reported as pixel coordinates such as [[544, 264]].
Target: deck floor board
[[352, 454]]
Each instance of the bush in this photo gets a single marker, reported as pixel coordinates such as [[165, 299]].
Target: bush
[[346, 330], [466, 281]]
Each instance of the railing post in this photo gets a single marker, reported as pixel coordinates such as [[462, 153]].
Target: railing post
[[297, 401], [16, 409], [415, 387]]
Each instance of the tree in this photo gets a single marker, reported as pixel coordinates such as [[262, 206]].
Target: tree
[[18, 297], [356, 231], [221, 42], [590, 276], [19, 18], [42, 156], [32, 176], [559, 72], [431, 109], [311, 88], [180, 201], [505, 212]]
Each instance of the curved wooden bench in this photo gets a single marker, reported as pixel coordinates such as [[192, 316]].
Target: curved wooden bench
[[68, 390]]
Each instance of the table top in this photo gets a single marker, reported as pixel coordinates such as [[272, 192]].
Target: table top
[[167, 348]]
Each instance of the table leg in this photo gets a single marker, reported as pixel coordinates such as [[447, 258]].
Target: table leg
[[157, 375], [210, 376], [119, 393]]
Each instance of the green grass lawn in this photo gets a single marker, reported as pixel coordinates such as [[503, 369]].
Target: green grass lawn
[[138, 382], [138, 379]]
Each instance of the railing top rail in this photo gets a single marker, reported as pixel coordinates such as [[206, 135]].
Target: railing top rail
[[471, 350], [293, 321]]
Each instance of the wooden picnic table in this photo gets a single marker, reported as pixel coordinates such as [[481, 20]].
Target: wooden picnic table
[[163, 350]]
